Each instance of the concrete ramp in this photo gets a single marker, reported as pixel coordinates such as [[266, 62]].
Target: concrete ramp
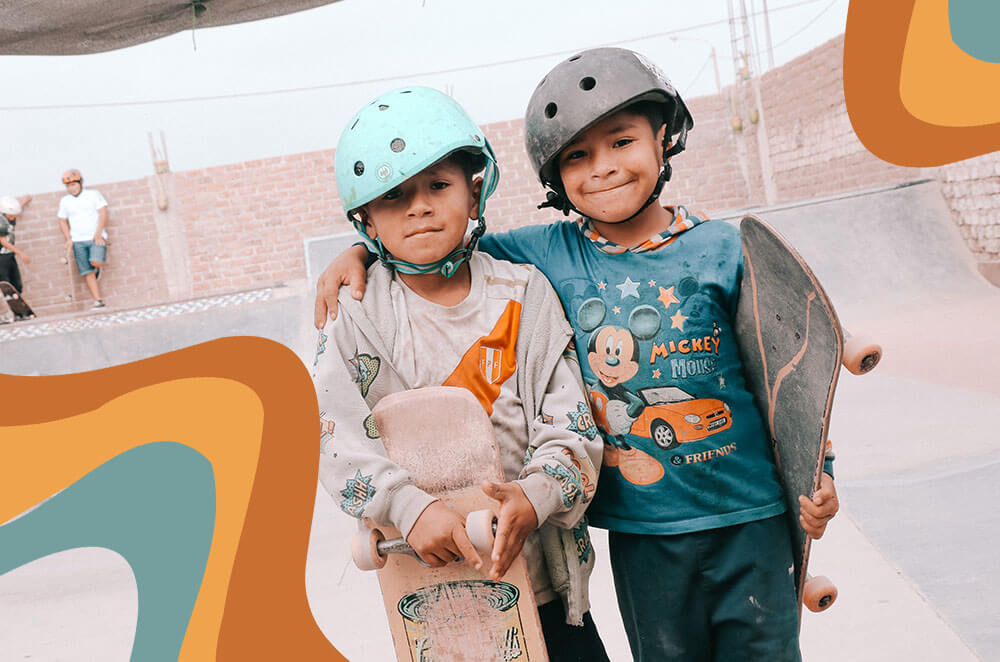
[[112, 337], [916, 439], [881, 250]]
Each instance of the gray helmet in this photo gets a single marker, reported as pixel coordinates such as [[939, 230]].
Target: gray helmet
[[584, 89]]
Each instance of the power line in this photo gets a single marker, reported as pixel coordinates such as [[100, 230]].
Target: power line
[[383, 79], [700, 72], [806, 26]]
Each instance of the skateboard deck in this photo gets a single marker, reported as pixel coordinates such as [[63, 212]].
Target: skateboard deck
[[792, 346], [17, 307], [444, 438]]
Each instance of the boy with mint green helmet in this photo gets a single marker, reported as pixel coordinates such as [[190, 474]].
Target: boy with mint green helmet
[[439, 312]]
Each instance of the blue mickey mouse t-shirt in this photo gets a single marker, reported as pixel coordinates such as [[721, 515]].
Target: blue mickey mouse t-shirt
[[685, 448]]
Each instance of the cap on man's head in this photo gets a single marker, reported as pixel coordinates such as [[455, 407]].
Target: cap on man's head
[[10, 205], [72, 175]]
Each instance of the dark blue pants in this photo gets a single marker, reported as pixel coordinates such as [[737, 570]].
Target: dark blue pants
[[569, 643], [719, 595]]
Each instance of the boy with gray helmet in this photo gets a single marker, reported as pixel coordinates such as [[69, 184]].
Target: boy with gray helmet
[[699, 546], [406, 171], [10, 209]]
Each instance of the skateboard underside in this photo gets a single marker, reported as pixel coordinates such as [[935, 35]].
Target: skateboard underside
[[791, 344], [14, 304], [456, 613], [444, 438]]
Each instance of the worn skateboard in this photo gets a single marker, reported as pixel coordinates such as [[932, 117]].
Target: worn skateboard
[[16, 308], [793, 345], [444, 438]]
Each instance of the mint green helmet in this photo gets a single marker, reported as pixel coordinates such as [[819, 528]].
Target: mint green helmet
[[396, 136]]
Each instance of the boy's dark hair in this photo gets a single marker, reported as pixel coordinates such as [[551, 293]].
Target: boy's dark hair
[[471, 164], [652, 111]]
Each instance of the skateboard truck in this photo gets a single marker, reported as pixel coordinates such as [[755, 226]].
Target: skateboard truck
[[370, 550]]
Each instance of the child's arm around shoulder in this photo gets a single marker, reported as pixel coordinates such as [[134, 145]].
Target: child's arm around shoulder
[[348, 268], [524, 245], [528, 244]]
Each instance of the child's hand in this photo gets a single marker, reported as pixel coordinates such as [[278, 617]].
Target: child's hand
[[517, 519], [348, 268], [818, 511], [438, 537]]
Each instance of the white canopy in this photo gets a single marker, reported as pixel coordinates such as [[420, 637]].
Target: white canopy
[[76, 27]]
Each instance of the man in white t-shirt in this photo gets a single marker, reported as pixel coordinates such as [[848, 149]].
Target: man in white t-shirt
[[83, 215]]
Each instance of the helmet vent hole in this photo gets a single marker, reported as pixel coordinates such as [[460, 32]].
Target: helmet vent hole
[[576, 57], [382, 106], [359, 168], [355, 123], [551, 110], [397, 145], [406, 91], [587, 83]]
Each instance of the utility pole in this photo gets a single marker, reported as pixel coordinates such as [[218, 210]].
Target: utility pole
[[767, 37], [767, 174], [739, 145]]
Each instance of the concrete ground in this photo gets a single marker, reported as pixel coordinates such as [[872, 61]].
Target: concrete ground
[[912, 551]]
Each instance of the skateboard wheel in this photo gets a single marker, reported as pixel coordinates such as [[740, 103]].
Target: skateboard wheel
[[818, 593], [861, 354], [481, 527], [364, 550]]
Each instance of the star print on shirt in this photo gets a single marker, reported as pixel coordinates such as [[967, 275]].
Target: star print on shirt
[[667, 297], [652, 283], [629, 288], [602, 286], [677, 321], [581, 421], [656, 374]]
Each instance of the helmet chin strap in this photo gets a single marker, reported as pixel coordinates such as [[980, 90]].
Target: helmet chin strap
[[446, 266]]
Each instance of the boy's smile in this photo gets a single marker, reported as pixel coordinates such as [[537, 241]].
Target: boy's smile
[[426, 217], [612, 168]]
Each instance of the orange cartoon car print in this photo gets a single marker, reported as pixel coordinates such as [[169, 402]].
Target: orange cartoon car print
[[672, 417]]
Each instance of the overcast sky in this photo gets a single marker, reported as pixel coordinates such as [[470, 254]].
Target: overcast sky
[[289, 84]]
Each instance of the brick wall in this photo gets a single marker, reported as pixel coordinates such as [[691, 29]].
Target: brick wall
[[972, 189], [245, 223]]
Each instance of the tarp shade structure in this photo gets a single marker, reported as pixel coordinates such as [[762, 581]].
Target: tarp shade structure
[[78, 27]]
